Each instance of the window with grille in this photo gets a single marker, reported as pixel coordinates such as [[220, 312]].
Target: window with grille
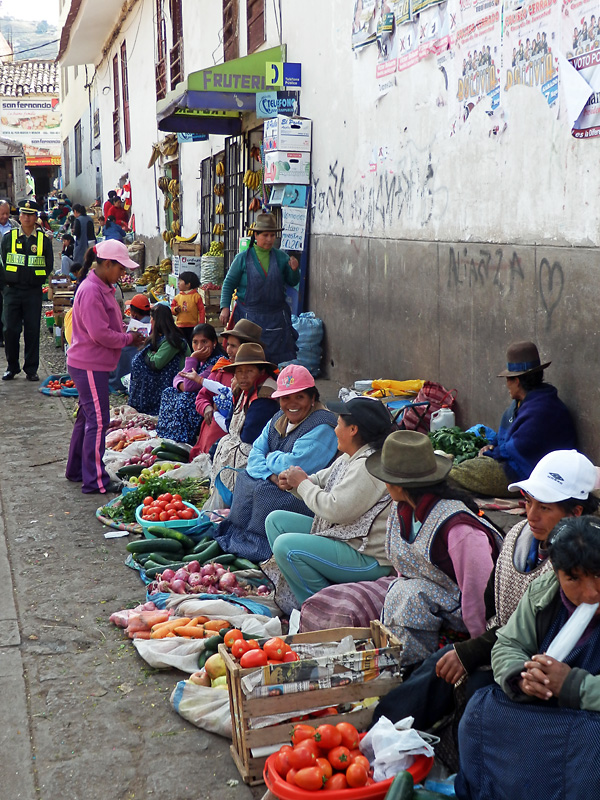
[[116, 106], [66, 162], [255, 15], [176, 54], [235, 165], [160, 69], [125, 87], [231, 42], [206, 202], [78, 158]]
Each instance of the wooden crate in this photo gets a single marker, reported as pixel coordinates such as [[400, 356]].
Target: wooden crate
[[211, 297], [186, 249], [243, 708], [61, 301]]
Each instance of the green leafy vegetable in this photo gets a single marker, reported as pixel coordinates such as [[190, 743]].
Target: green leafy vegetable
[[458, 443], [193, 490]]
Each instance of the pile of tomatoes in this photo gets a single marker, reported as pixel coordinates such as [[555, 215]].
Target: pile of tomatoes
[[326, 757], [58, 385], [166, 508], [251, 654]]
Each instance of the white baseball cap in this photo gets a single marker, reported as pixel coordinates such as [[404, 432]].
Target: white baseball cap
[[559, 476]]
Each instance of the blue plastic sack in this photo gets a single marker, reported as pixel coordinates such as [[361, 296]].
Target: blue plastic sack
[[310, 338], [482, 430]]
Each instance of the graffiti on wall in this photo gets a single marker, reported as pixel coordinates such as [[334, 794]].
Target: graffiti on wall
[[404, 190], [502, 270]]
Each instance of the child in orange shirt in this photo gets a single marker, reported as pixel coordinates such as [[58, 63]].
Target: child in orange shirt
[[187, 306]]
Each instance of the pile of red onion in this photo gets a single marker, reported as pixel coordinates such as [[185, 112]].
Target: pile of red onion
[[208, 579]]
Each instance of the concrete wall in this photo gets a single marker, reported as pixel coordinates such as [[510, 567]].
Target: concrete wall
[[447, 311]]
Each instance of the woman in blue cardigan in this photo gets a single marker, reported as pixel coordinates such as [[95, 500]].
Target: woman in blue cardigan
[[536, 423]]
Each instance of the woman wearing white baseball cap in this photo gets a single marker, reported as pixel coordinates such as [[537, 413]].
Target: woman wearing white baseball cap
[[559, 486], [96, 344]]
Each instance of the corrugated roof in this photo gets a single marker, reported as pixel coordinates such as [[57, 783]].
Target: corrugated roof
[[19, 78]]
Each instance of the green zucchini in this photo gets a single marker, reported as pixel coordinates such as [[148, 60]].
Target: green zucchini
[[167, 455], [159, 558], [401, 788], [212, 643], [224, 558], [177, 449], [202, 658], [152, 546], [162, 532], [129, 470], [152, 569], [140, 558], [243, 563], [427, 794], [204, 542], [210, 552]]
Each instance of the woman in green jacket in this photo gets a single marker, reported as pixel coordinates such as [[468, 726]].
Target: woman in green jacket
[[154, 368]]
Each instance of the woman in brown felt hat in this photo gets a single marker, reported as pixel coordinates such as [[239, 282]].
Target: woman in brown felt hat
[[260, 276], [255, 383], [537, 422], [442, 550]]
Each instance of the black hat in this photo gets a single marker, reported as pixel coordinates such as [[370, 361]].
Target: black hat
[[28, 207], [370, 415]]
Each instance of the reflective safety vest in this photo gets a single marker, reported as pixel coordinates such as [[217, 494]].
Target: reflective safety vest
[[35, 261]]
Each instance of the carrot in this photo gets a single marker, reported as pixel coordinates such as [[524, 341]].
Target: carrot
[[199, 621], [141, 635], [191, 631], [162, 629], [216, 624]]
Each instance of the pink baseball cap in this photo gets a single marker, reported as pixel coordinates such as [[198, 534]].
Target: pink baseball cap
[[115, 251], [293, 378]]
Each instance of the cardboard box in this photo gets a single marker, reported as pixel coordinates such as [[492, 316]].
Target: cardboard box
[[287, 133], [283, 166], [187, 263], [297, 687]]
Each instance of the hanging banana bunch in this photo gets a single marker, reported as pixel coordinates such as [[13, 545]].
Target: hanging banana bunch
[[219, 189], [252, 179], [220, 169], [254, 204]]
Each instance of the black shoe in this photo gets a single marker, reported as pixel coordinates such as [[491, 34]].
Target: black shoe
[[33, 376], [8, 375], [114, 487]]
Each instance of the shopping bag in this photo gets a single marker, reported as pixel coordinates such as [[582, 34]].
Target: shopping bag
[[417, 417]]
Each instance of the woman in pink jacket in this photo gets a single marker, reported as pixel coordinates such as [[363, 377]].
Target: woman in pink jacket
[[96, 345]]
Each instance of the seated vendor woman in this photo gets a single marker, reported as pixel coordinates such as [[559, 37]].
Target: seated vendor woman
[[558, 487], [535, 733], [154, 367], [300, 434], [345, 541], [441, 549], [536, 423]]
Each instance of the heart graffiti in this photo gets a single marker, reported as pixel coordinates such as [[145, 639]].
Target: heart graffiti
[[552, 283]]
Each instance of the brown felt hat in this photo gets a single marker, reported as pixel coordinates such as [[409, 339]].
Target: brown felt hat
[[265, 222], [249, 353], [245, 331], [521, 359], [407, 459]]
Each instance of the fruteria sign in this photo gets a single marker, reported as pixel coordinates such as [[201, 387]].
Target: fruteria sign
[[239, 75], [35, 124]]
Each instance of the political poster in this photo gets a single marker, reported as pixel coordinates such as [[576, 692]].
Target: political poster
[[580, 40]]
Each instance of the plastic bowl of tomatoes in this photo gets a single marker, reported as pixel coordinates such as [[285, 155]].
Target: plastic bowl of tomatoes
[[337, 763], [168, 510]]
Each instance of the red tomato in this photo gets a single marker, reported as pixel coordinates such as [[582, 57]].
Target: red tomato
[[253, 644], [363, 761], [328, 737], [290, 656], [177, 497], [339, 757], [291, 775], [253, 658], [311, 745], [163, 516], [231, 636], [310, 778], [302, 757], [325, 712], [300, 732], [168, 497], [239, 647], [356, 775], [274, 648], [170, 507], [187, 514], [325, 767], [147, 501], [349, 735], [282, 760], [337, 781], [355, 752]]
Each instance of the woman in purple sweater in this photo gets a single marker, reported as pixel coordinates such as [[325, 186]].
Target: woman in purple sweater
[[96, 345]]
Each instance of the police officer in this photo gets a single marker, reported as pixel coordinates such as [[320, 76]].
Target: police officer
[[27, 260]]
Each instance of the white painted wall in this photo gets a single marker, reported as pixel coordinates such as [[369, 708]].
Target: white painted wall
[[75, 108]]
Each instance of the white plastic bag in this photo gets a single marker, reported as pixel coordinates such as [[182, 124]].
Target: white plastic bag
[[390, 750], [203, 706], [175, 652]]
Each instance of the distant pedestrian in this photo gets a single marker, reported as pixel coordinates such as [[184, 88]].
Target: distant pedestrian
[[97, 340], [117, 211], [108, 203], [112, 230], [27, 260], [83, 230]]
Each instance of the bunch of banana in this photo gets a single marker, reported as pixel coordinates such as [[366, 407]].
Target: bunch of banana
[[216, 249], [252, 179], [255, 153], [220, 169], [168, 236], [176, 227], [220, 209], [254, 204], [173, 186], [163, 183], [165, 266], [218, 229], [167, 202], [219, 189], [175, 205]]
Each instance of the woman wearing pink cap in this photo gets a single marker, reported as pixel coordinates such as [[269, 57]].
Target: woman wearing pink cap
[[98, 339], [300, 434]]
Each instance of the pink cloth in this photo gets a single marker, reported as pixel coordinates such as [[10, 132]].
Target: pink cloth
[[192, 364], [209, 434], [98, 335], [471, 554]]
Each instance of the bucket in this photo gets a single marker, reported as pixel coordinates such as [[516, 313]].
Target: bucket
[[443, 418]]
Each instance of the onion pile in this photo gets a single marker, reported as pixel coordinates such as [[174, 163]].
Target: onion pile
[[208, 579], [146, 459]]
